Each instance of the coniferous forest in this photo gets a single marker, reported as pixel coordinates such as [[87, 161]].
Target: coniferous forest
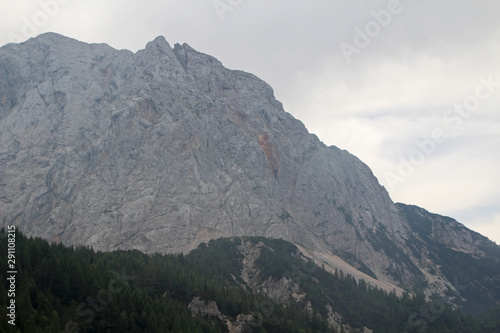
[[76, 289]]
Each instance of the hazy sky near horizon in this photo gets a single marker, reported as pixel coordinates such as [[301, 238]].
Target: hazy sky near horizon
[[411, 87]]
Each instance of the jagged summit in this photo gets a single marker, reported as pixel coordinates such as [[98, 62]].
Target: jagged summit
[[158, 149]]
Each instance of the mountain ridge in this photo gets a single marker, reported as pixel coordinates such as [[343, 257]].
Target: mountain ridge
[[120, 150]]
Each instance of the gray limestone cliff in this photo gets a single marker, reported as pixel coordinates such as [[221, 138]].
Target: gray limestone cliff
[[120, 150]]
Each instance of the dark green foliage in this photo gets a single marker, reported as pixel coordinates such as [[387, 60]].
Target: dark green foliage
[[67, 289], [285, 216], [418, 223], [360, 304], [490, 249], [227, 263], [347, 214], [276, 258], [477, 279]]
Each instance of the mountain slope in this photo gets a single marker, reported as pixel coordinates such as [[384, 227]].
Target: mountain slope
[[113, 149], [462, 266], [240, 285], [153, 150]]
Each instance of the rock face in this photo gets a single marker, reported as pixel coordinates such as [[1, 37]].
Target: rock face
[[117, 150], [283, 290], [204, 308], [337, 322]]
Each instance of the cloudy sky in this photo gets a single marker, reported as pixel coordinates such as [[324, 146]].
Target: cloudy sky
[[411, 87]]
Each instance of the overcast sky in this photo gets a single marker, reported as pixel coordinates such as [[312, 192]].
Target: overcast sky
[[411, 87]]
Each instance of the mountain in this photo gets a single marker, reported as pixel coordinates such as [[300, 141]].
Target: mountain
[[449, 252], [164, 149]]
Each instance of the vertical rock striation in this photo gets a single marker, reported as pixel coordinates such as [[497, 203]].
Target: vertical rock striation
[[117, 150]]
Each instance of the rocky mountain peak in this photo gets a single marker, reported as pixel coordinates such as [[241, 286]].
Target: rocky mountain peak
[[149, 150]]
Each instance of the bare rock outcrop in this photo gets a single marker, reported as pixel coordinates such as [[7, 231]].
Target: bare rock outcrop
[[120, 150]]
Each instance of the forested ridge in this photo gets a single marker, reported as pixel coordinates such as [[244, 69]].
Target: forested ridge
[[75, 289]]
